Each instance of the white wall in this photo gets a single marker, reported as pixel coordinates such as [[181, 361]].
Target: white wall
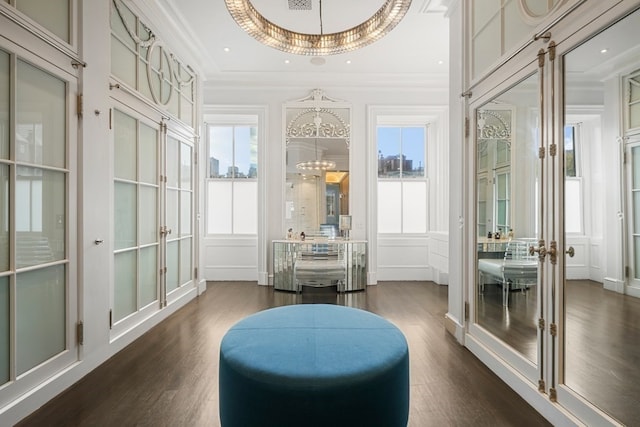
[[411, 256]]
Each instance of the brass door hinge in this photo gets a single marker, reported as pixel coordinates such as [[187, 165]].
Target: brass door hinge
[[79, 105], [467, 126], [541, 386], [80, 333], [110, 319], [466, 310], [195, 272], [553, 396]]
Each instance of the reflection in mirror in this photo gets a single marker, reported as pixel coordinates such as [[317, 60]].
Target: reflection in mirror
[[506, 220], [317, 165], [602, 312]]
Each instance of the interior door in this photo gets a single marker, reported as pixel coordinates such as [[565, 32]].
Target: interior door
[[598, 376], [507, 297]]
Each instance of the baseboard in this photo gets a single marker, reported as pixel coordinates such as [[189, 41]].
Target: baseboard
[[454, 327], [612, 284]]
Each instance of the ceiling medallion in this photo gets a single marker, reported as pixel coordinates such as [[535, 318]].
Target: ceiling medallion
[[265, 31]]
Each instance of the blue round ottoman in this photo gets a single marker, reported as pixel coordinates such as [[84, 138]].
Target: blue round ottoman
[[314, 365]]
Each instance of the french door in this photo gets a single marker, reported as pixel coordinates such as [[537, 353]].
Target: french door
[[562, 312], [153, 195]]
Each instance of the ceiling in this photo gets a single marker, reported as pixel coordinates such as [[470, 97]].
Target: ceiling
[[415, 50]]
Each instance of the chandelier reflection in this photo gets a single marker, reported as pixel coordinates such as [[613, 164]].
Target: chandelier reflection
[[270, 34], [316, 165]]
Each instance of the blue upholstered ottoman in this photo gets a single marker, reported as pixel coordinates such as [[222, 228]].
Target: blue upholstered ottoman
[[314, 365]]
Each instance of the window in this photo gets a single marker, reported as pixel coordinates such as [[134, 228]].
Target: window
[[573, 181], [402, 181], [232, 186]]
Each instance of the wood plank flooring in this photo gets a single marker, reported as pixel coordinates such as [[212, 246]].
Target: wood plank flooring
[[168, 377]]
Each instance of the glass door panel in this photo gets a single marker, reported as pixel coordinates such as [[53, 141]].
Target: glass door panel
[[507, 291], [600, 354]]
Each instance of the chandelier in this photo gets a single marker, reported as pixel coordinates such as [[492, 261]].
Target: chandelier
[[316, 165], [270, 34]]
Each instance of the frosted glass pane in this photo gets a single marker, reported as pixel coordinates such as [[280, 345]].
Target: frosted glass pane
[[125, 215], [486, 47], [51, 14], [483, 12], [185, 166], [172, 209], [4, 329], [123, 62], [125, 146], [185, 261], [414, 207], [41, 117], [148, 154], [634, 116], [219, 207], [40, 199], [516, 31], [148, 275], [245, 207], [172, 265], [573, 206], [143, 77], [635, 153], [118, 28], [173, 162], [4, 215], [148, 208], [389, 207], [185, 213], [124, 288], [40, 316], [4, 105], [186, 111]]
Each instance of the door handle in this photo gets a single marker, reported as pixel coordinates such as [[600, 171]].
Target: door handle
[[541, 250], [571, 252]]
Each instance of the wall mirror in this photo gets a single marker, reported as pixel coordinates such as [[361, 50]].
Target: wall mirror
[[317, 137], [602, 220], [506, 220]]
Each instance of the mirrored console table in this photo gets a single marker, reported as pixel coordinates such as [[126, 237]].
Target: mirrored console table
[[320, 263]]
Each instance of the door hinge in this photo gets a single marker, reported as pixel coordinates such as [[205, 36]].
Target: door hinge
[[467, 126], [80, 333], [195, 272], [624, 158], [110, 118], [541, 386], [553, 329], [553, 396], [627, 272], [541, 153], [195, 157], [541, 324], [110, 319], [466, 310], [79, 105]]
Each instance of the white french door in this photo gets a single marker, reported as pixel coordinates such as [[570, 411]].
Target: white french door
[[38, 278], [153, 195]]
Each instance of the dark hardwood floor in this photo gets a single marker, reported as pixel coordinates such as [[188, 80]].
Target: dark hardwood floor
[[169, 377]]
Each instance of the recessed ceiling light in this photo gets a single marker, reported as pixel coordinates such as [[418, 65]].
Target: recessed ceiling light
[[318, 60], [605, 50], [440, 62], [286, 61], [348, 61], [226, 49]]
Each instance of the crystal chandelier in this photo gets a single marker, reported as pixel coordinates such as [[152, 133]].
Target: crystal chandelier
[[316, 165], [270, 34]]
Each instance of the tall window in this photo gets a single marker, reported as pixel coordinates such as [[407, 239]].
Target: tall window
[[573, 181], [232, 186], [402, 179]]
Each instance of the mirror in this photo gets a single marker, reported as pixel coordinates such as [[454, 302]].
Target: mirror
[[602, 220], [506, 216], [317, 136]]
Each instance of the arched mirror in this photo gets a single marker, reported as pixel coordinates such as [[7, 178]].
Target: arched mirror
[[317, 136]]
